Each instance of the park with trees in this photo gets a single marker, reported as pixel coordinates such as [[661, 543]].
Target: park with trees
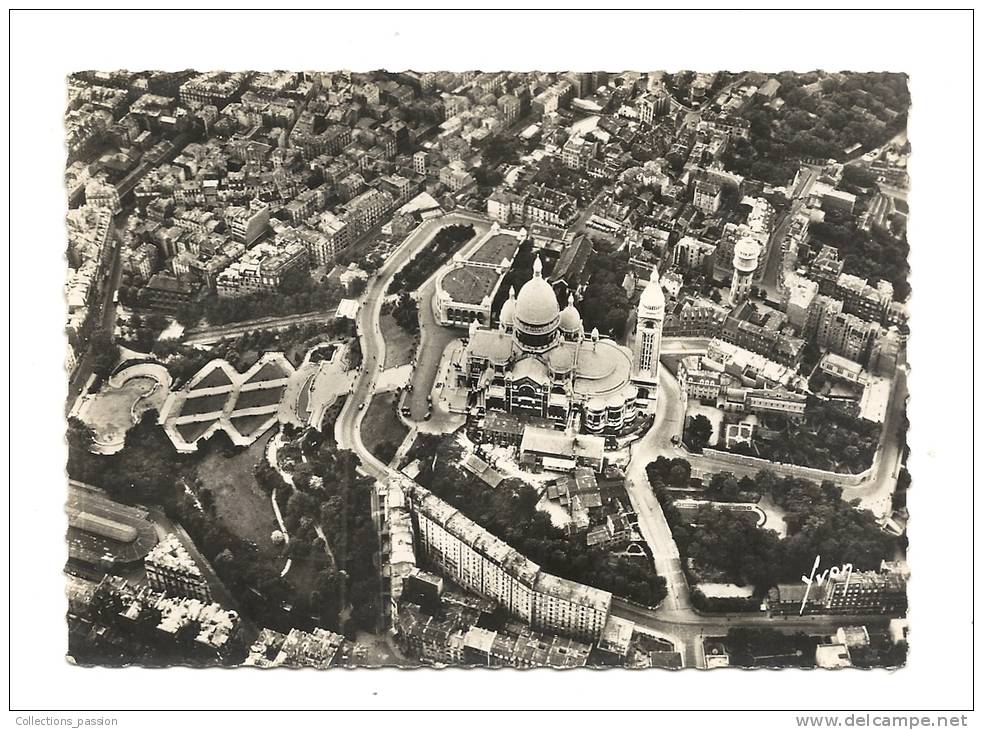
[[605, 303], [728, 546], [332, 581], [431, 257], [242, 351], [327, 509], [828, 438], [298, 293]]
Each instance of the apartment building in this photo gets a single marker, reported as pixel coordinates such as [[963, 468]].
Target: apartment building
[[479, 562], [172, 571], [262, 268], [248, 224]]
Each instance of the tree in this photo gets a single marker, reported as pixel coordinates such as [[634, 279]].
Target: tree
[[405, 313], [724, 487], [186, 634], [207, 499], [698, 432], [679, 475], [105, 353], [147, 622]]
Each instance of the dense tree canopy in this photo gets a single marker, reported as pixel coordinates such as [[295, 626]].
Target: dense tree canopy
[[605, 303], [818, 522], [298, 293], [405, 313], [104, 352], [697, 432], [426, 261], [819, 122]]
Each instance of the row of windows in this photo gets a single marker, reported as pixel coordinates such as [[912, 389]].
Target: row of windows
[[548, 611]]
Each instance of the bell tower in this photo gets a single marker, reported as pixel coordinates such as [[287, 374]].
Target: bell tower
[[647, 339]]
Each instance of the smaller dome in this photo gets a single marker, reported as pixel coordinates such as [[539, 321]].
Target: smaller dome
[[570, 320], [652, 302]]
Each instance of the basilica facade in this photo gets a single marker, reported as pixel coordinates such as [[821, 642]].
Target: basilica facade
[[540, 362]]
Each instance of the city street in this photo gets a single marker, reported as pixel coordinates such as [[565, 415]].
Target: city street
[[771, 279], [875, 494]]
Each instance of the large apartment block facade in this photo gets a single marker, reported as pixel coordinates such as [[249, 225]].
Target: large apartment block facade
[[479, 562]]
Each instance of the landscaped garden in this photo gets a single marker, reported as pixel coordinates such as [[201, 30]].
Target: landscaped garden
[[111, 411], [246, 425], [239, 501], [724, 545], [270, 371], [827, 438], [192, 431], [437, 251]]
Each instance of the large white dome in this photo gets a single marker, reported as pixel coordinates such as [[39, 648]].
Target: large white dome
[[536, 304]]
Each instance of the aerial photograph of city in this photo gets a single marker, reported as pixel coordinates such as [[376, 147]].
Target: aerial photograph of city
[[517, 369]]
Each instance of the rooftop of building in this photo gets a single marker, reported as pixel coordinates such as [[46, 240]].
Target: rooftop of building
[[167, 283], [550, 441], [616, 636], [840, 362], [468, 284], [573, 258], [170, 553], [498, 246], [102, 531]]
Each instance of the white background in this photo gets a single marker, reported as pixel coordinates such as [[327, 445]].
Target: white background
[[934, 48]]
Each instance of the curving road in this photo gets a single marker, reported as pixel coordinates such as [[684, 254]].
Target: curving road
[[349, 424]]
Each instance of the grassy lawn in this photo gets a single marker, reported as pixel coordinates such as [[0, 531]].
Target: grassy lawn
[[261, 397], [399, 342], [382, 431], [214, 379], [270, 371], [190, 431], [246, 510], [247, 424], [204, 404], [239, 501]]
